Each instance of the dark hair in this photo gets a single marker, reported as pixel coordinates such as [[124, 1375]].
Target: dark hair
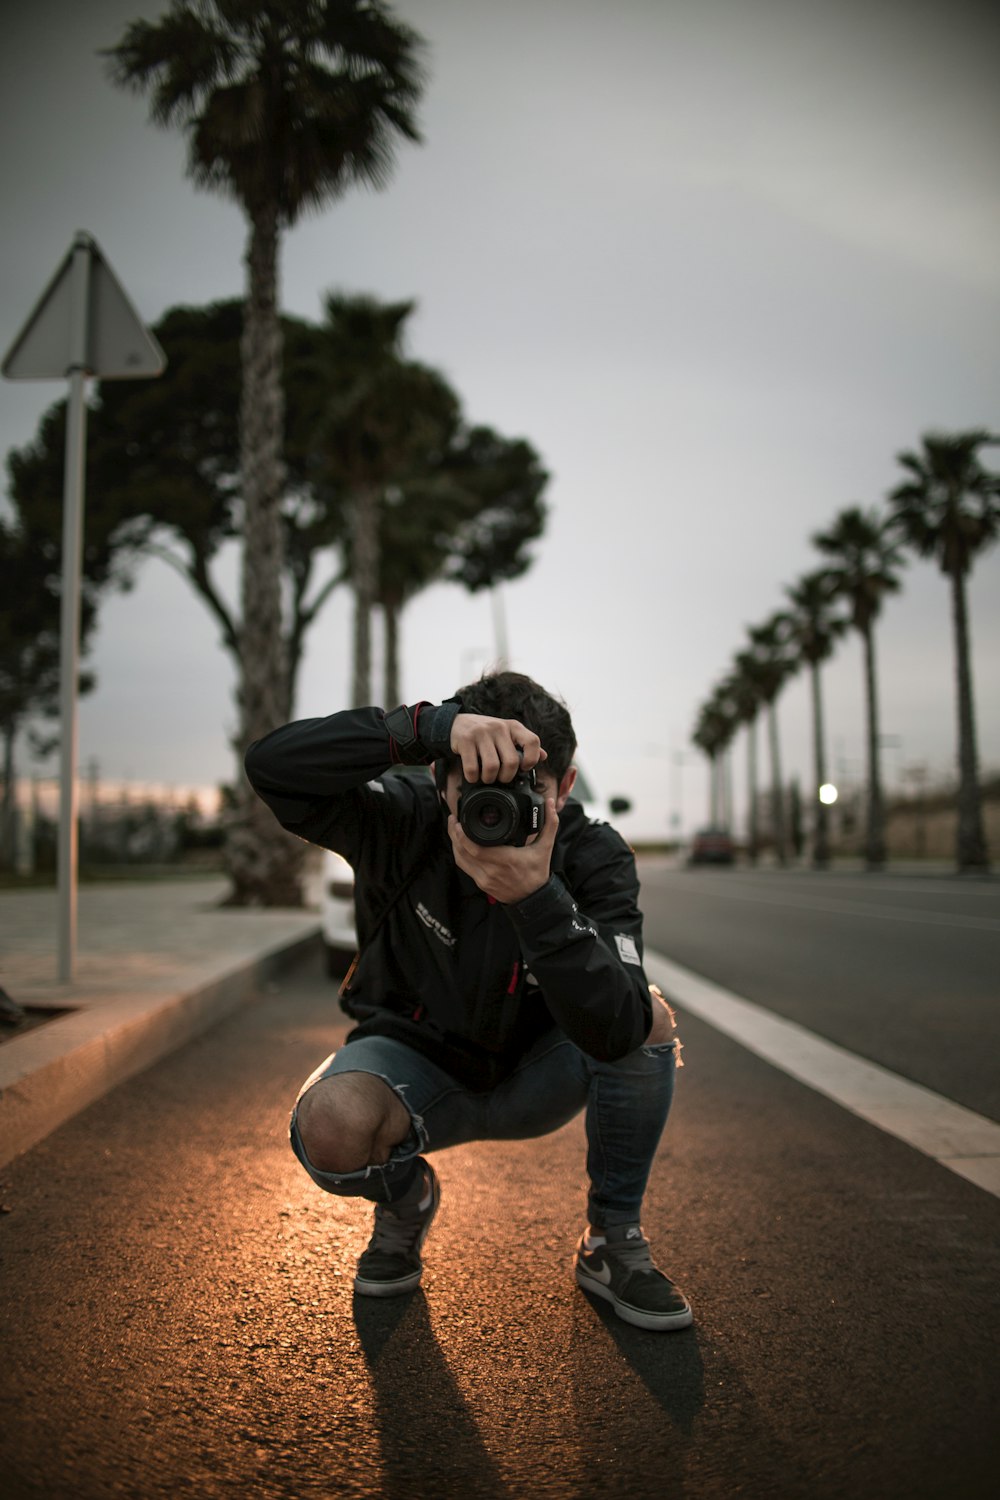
[[511, 695]]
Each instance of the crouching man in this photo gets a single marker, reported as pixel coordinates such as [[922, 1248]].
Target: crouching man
[[499, 988]]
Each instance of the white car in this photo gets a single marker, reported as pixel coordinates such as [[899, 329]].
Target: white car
[[336, 906], [337, 893]]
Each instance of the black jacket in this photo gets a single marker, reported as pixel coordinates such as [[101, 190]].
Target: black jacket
[[456, 975]]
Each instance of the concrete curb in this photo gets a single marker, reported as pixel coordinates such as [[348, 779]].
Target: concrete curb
[[55, 1071]]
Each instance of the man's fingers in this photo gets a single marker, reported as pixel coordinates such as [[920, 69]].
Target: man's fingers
[[457, 835], [510, 760], [527, 743], [489, 761], [545, 839], [494, 749], [498, 751]]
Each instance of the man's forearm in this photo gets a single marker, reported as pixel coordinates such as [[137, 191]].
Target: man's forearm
[[314, 760], [594, 996]]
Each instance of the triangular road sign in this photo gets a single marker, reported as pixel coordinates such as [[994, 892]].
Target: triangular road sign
[[118, 345]]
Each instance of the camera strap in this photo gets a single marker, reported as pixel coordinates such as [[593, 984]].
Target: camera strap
[[404, 746], [400, 891]]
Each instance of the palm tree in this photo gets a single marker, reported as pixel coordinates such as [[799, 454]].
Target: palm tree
[[468, 517], [744, 694], [813, 628], [864, 571], [286, 104], [381, 421], [415, 559], [773, 666], [728, 718], [949, 508], [712, 733]]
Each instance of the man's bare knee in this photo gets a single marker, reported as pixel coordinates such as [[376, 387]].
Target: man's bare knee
[[351, 1121]]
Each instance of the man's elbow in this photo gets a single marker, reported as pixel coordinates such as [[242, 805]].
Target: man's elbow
[[252, 760], [618, 1042]]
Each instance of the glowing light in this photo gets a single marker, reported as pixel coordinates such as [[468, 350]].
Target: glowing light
[[828, 793]]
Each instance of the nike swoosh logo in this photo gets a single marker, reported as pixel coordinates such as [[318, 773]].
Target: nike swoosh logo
[[603, 1275]]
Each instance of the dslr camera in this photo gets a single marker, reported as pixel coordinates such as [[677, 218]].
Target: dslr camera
[[503, 812]]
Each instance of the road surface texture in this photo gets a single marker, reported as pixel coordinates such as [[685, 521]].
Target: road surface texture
[[177, 1315]]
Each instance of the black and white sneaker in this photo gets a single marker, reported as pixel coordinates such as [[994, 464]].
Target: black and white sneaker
[[391, 1264], [616, 1265]]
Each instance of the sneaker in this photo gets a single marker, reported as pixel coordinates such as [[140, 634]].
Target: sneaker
[[391, 1264], [620, 1269]]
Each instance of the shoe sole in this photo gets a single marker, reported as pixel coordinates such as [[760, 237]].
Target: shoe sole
[[654, 1322], [388, 1288], [402, 1284]]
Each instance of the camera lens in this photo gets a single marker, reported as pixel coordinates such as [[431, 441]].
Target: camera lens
[[488, 815]]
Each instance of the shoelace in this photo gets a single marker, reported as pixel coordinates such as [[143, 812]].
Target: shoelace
[[632, 1253], [394, 1235]]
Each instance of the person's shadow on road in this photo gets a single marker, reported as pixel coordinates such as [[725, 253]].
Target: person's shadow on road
[[622, 1433], [430, 1442], [668, 1364]]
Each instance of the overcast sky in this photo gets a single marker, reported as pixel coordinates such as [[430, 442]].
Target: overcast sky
[[718, 260]]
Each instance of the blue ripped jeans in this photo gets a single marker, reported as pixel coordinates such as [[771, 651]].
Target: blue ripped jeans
[[626, 1103]]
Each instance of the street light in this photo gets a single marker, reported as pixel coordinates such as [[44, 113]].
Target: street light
[[828, 794], [677, 760]]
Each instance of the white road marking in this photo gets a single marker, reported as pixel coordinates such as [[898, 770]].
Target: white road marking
[[856, 908], [960, 889], [958, 1138]]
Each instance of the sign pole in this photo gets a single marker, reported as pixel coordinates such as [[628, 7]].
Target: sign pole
[[69, 645], [82, 325]]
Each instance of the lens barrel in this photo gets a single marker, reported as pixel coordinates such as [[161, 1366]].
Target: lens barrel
[[489, 815], [501, 813]]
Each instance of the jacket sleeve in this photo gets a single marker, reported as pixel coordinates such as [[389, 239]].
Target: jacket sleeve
[[315, 774], [585, 951]]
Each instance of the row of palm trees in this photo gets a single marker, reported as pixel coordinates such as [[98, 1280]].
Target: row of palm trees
[[947, 507]]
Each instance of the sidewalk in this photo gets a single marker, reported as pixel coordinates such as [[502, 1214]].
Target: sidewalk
[[157, 962]]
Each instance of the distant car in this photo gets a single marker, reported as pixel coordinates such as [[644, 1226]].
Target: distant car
[[337, 892], [712, 846]]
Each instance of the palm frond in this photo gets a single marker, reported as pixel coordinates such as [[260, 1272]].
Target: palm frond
[[177, 60], [948, 506], [286, 103]]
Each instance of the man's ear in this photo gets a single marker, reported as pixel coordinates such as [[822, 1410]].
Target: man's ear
[[565, 787]]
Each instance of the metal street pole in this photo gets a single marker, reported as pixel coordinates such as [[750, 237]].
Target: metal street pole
[[69, 645], [82, 325], [500, 628]]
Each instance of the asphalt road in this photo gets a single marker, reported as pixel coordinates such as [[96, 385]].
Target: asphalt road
[[177, 1315], [903, 970]]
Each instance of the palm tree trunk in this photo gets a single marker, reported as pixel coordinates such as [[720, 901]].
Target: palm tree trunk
[[971, 848], [726, 766], [875, 837], [263, 861], [777, 792], [7, 852], [365, 554], [713, 790], [753, 832], [390, 613], [821, 840]]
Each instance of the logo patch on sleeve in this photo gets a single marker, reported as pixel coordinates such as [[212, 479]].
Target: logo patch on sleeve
[[627, 950]]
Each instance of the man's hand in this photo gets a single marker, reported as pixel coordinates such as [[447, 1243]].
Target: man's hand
[[494, 749], [508, 875], [664, 1021]]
